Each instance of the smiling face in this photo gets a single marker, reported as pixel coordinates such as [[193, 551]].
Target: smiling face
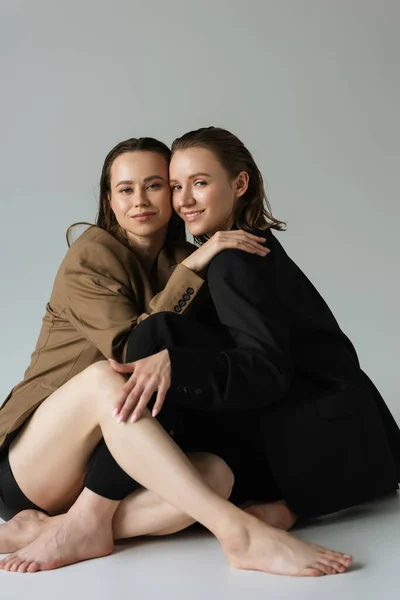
[[140, 195], [203, 194]]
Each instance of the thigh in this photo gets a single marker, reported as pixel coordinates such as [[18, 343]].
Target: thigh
[[50, 454]]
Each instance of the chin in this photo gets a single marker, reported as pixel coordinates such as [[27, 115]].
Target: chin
[[197, 229]]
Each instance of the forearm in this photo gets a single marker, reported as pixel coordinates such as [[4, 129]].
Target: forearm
[[230, 380]]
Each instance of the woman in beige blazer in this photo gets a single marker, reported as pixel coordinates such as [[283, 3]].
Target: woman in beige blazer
[[133, 263]]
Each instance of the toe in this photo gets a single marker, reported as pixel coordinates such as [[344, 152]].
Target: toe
[[6, 561], [313, 573], [334, 564], [33, 567], [8, 564], [23, 567], [15, 565], [345, 560], [326, 569]]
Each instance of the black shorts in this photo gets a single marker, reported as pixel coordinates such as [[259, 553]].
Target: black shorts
[[10, 492], [236, 440]]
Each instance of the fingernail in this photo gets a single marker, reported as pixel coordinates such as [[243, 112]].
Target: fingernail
[[134, 418], [120, 418], [115, 412], [155, 412]]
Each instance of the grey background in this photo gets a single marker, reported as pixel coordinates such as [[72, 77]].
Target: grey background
[[311, 86]]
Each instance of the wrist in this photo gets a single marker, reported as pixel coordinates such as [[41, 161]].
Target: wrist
[[190, 264]]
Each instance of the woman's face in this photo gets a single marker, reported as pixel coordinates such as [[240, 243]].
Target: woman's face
[[140, 194], [202, 192]]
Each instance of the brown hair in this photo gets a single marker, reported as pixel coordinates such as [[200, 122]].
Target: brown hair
[[105, 217], [253, 211]]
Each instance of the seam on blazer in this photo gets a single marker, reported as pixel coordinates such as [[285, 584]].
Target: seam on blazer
[[39, 351], [67, 377]]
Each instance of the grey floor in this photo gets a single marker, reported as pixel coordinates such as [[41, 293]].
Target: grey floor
[[191, 566]]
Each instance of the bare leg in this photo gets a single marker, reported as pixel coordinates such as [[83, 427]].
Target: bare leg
[[145, 513], [141, 513], [145, 451], [277, 514]]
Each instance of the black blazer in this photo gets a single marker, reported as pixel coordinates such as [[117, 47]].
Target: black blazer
[[329, 437]]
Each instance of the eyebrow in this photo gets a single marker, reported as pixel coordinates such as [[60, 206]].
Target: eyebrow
[[145, 180], [193, 176]]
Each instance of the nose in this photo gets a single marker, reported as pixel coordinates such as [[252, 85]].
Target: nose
[[185, 198], [140, 198]]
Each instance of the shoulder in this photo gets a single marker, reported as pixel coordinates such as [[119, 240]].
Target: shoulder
[[243, 270], [98, 250], [236, 260]]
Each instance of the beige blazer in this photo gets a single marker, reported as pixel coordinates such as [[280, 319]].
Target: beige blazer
[[101, 292]]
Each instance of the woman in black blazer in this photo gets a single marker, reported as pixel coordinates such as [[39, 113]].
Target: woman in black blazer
[[281, 396]]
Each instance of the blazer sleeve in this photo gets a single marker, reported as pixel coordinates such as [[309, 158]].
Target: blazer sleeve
[[257, 371], [170, 298], [100, 297]]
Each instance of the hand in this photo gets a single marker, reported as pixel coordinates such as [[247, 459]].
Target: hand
[[222, 240], [151, 374]]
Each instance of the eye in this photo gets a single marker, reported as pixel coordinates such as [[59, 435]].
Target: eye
[[127, 190], [199, 183], [176, 187], [153, 186]]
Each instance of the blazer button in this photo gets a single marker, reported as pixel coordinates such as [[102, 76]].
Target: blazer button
[[186, 297], [190, 291], [182, 303], [198, 392], [172, 433], [177, 309]]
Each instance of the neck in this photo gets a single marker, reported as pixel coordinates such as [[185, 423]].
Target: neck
[[148, 247], [226, 226]]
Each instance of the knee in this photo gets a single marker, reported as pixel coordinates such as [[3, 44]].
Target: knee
[[103, 382], [217, 474], [99, 372]]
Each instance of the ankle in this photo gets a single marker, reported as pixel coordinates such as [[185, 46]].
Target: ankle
[[94, 508], [234, 528]]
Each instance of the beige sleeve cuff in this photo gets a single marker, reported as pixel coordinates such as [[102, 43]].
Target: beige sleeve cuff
[[178, 294]]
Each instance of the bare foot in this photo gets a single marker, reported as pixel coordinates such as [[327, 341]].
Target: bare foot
[[71, 540], [276, 514], [260, 547], [22, 529]]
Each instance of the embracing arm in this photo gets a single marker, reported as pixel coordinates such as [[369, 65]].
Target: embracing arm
[[257, 371], [100, 295]]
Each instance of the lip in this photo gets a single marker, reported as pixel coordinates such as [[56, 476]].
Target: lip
[[143, 216], [193, 215]]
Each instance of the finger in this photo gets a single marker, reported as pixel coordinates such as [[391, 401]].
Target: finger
[[253, 248], [143, 402], [130, 404], [126, 390], [243, 233], [254, 238], [259, 249], [162, 392], [122, 368], [259, 242]]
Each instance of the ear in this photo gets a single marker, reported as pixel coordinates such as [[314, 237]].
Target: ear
[[110, 202], [241, 184]]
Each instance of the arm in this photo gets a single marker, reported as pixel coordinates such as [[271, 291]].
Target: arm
[[258, 370], [101, 301]]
